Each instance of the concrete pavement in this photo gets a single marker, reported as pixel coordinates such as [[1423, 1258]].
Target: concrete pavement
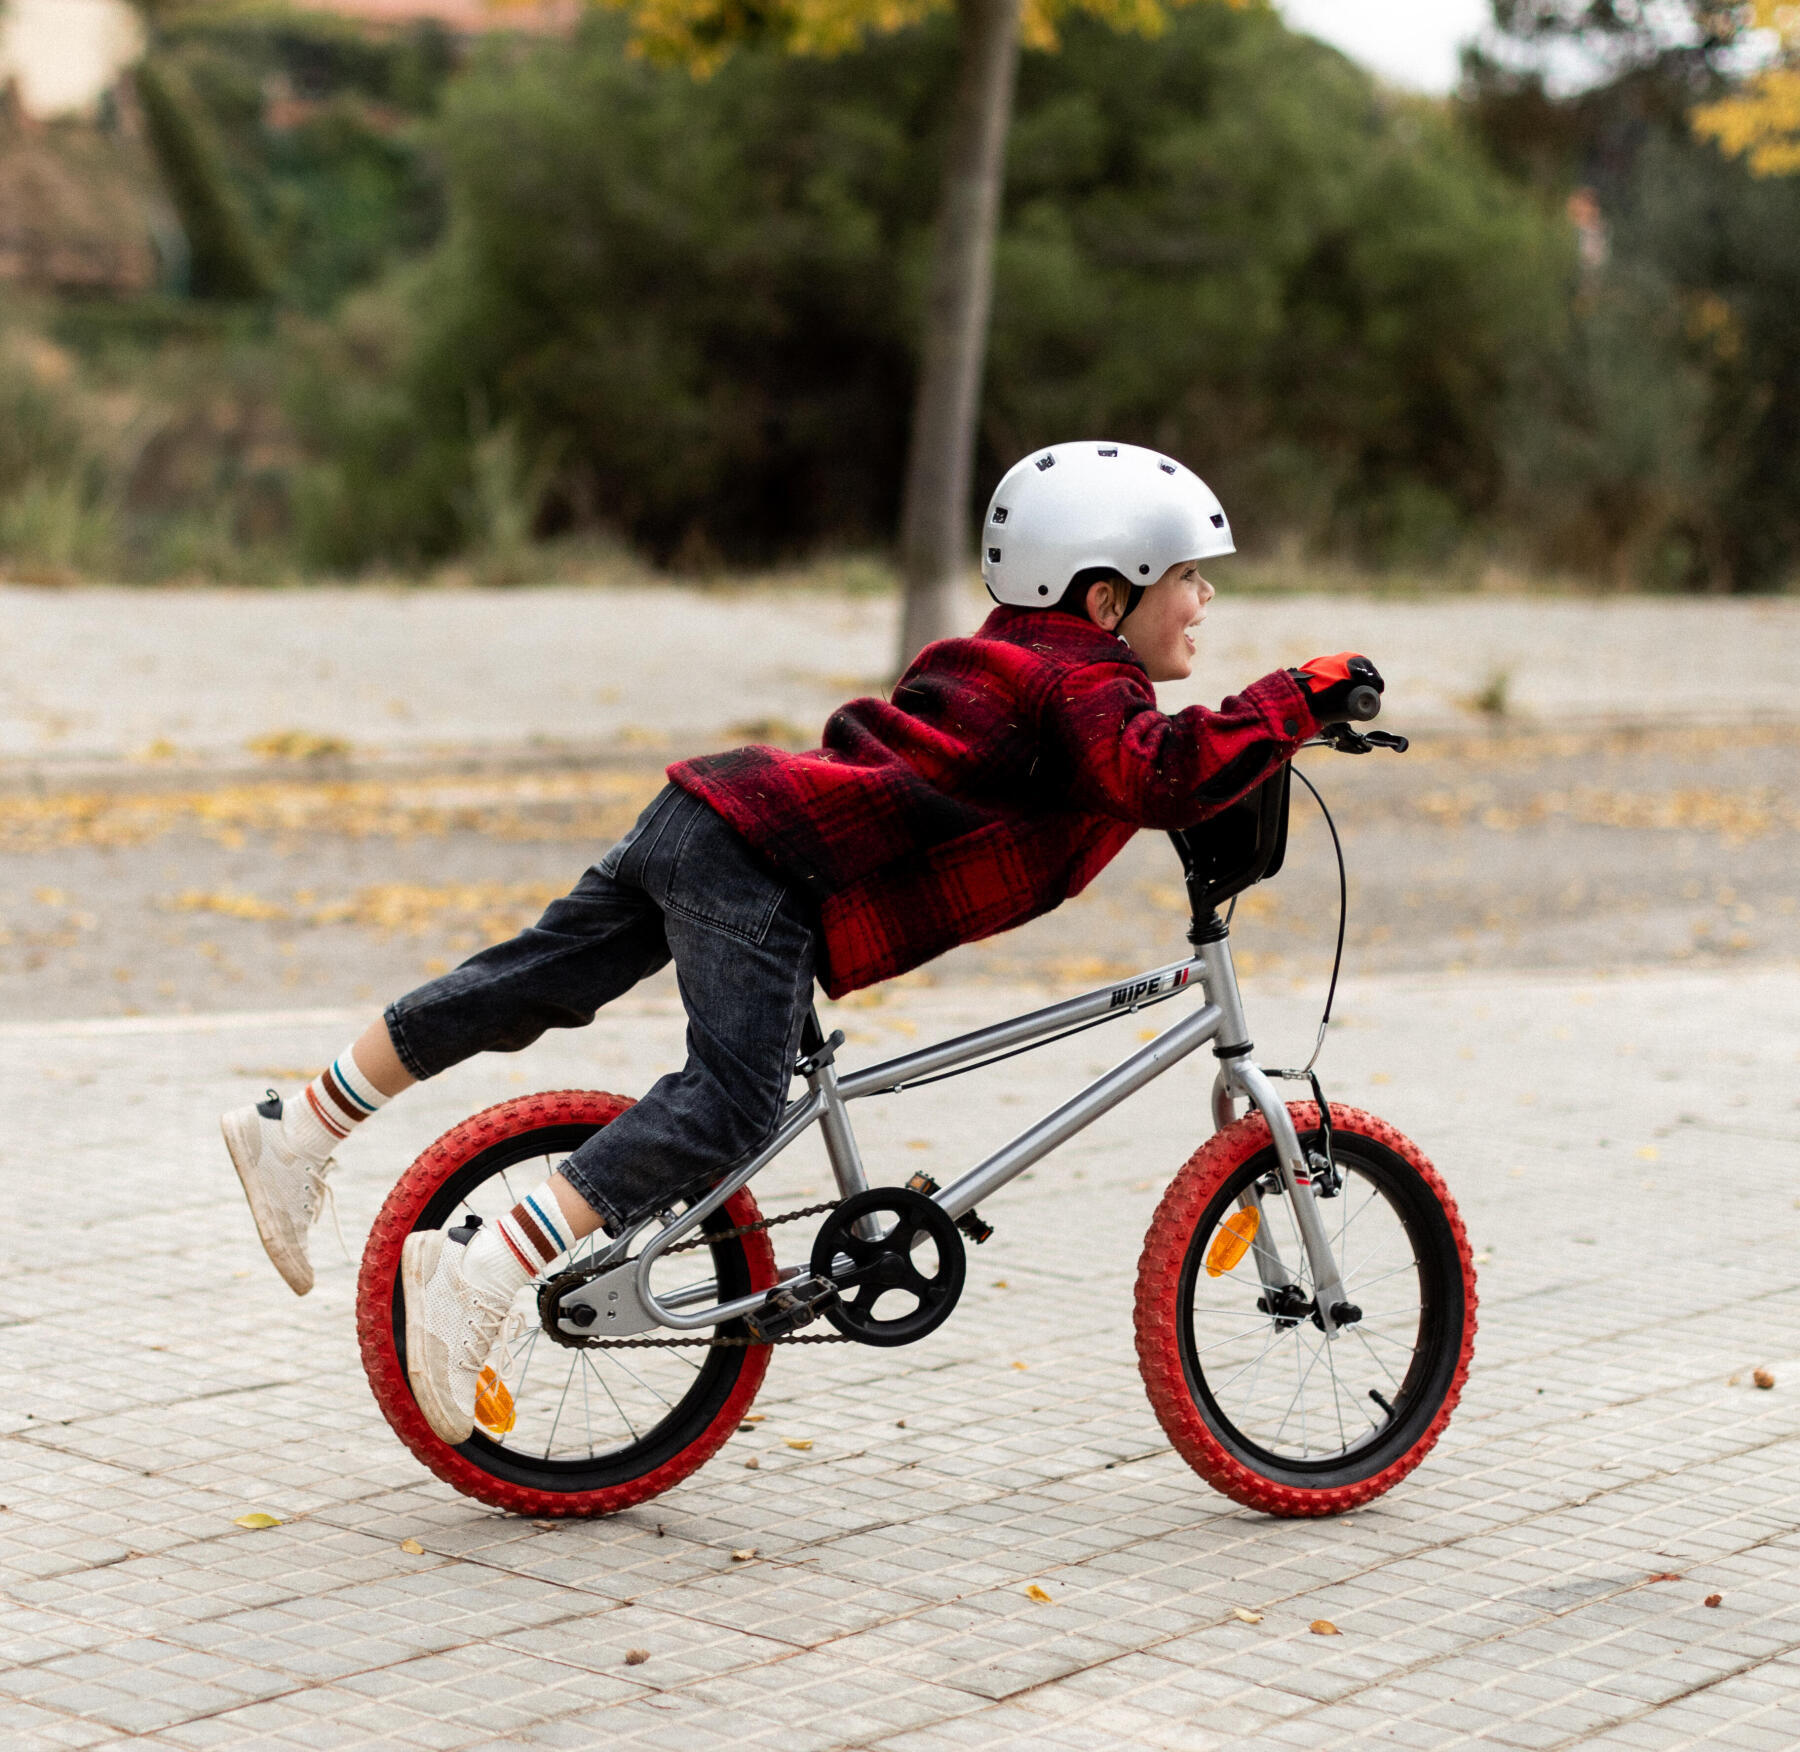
[[92, 676]]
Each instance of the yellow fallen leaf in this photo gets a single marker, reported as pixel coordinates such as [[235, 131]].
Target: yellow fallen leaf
[[745, 1555], [800, 1442], [412, 1548], [1034, 1592], [257, 1519], [1021, 1365], [1648, 1153], [999, 1283], [1324, 1627], [751, 1417], [1245, 1616]]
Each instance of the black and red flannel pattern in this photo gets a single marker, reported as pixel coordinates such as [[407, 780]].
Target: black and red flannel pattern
[[1006, 772]]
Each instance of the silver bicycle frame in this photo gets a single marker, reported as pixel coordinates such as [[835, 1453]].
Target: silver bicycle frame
[[624, 1303]]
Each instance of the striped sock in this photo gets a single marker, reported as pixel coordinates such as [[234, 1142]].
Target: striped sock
[[329, 1108], [535, 1230]]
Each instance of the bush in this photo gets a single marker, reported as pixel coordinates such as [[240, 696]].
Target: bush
[[694, 305]]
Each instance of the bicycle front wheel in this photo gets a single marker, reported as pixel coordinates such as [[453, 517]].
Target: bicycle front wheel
[[588, 1432], [1255, 1395]]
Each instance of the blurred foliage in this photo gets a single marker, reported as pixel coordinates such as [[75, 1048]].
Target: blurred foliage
[[1659, 448], [700, 34], [1761, 122], [225, 259], [694, 303], [312, 129], [555, 287]]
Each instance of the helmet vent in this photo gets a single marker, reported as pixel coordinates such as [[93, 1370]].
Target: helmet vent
[[1109, 452], [1143, 571], [1218, 520], [999, 513], [1046, 462], [1166, 467], [1043, 590], [994, 556]]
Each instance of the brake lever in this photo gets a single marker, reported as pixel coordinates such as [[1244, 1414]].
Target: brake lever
[[1351, 741]]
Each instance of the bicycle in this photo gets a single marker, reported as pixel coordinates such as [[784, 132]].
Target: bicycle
[[1275, 1382]]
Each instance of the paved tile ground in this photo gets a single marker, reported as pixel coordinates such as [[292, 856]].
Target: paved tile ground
[[1627, 1153]]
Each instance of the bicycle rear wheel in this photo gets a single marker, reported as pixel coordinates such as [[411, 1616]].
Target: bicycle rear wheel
[[1246, 1383], [594, 1431]]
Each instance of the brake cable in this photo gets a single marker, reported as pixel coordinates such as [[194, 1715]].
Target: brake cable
[[1305, 1072]]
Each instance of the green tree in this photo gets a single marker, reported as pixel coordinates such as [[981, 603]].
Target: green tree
[[1663, 439], [694, 304], [934, 519]]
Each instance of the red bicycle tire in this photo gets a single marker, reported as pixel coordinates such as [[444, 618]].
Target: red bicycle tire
[[1158, 1314], [375, 1315]]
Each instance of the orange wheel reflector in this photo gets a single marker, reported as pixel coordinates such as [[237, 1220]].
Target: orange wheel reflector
[[1228, 1246], [494, 1404]]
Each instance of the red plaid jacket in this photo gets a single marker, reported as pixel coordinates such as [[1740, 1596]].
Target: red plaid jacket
[[1006, 772]]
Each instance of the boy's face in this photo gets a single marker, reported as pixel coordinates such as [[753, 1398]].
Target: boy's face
[[1161, 628]]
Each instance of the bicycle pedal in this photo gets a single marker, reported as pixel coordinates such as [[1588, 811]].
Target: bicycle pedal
[[972, 1226], [790, 1306]]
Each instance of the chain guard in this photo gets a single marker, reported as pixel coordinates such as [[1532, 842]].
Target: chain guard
[[552, 1291], [886, 1267]]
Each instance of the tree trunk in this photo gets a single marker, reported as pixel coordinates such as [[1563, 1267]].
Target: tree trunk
[[934, 514]]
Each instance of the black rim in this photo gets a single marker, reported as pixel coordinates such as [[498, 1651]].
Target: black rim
[[1408, 1398], [687, 1419]]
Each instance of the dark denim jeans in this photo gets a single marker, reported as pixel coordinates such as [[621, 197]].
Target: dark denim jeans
[[680, 884]]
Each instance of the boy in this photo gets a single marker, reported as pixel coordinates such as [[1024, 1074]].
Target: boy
[[1005, 772]]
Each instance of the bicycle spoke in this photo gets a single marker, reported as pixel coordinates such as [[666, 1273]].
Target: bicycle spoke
[[1337, 1401], [1248, 1332], [1376, 1359], [606, 1388], [620, 1360], [551, 1438]]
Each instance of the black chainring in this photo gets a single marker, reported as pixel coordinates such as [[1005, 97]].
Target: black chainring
[[886, 1267]]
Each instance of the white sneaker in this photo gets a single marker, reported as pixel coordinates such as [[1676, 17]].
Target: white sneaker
[[455, 1328], [286, 1194]]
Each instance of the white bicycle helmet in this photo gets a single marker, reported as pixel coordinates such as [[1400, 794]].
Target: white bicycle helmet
[[1072, 506]]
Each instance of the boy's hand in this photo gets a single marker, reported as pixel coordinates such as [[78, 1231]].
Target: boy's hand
[[1329, 682]]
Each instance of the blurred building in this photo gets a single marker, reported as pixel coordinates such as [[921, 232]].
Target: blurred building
[[61, 57], [79, 208], [465, 17]]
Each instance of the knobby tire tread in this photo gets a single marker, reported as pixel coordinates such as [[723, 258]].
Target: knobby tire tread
[[375, 1314], [1158, 1314]]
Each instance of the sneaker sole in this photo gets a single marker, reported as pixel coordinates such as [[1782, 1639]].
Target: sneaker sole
[[244, 1146], [418, 1265]]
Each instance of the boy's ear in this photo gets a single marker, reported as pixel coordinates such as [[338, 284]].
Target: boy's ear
[[1105, 603]]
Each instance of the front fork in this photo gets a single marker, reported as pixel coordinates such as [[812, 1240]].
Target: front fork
[[1240, 1079]]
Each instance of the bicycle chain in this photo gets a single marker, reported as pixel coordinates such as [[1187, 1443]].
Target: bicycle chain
[[715, 1342]]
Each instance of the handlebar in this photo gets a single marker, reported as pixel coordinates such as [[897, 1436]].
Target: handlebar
[[1363, 704]]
